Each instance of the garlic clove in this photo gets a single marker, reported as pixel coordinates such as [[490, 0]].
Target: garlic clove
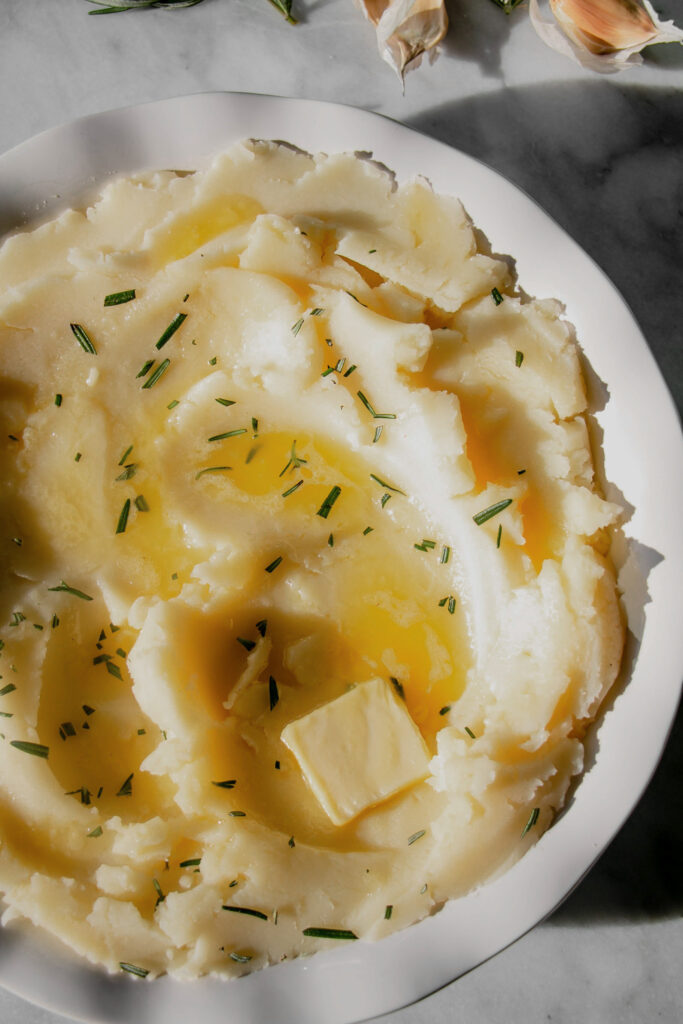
[[603, 26], [604, 35], [406, 28]]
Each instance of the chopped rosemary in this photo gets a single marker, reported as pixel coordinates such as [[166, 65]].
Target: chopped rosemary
[[37, 749], [145, 368], [87, 709], [316, 312], [58, 399], [247, 910], [519, 358], [159, 372], [139, 972], [297, 326], [385, 499], [330, 541], [290, 842], [117, 298], [193, 862], [330, 933], [129, 471], [385, 485], [229, 433], [114, 670], [141, 503], [378, 434], [329, 501], [469, 732], [240, 958], [496, 296], [445, 554], [262, 626], [274, 564], [451, 605], [123, 517], [398, 687], [415, 836], [175, 323], [77, 457], [96, 832], [125, 455], [499, 535], [212, 469], [159, 892], [295, 461], [388, 911], [83, 339], [533, 818], [71, 590], [273, 693], [248, 645], [67, 729], [127, 787], [225, 401], [367, 530], [237, 814], [375, 415], [225, 784], [491, 511], [445, 709], [8, 688], [350, 370], [290, 490]]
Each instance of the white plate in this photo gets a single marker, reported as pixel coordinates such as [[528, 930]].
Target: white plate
[[643, 452]]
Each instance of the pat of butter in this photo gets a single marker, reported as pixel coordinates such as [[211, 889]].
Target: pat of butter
[[358, 749]]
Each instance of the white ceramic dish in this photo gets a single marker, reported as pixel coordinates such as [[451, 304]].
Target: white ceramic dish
[[643, 459]]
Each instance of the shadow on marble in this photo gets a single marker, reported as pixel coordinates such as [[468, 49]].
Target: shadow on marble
[[478, 32], [604, 160]]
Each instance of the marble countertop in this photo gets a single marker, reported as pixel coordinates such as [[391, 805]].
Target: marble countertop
[[604, 156]]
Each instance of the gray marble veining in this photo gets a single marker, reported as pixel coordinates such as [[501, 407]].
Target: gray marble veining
[[604, 156]]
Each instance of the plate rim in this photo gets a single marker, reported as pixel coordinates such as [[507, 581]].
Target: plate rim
[[355, 1000]]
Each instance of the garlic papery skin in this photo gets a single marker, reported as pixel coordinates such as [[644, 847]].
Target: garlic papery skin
[[603, 35], [406, 29]]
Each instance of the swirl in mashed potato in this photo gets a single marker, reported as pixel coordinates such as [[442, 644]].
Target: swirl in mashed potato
[[304, 600]]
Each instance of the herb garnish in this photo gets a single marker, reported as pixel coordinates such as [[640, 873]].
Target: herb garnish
[[262, 626], [290, 490], [295, 461], [415, 836], [175, 323], [383, 483], [375, 415], [496, 296], [58, 399], [83, 339], [388, 910], [297, 326], [141, 504], [117, 298], [123, 517], [398, 687], [247, 910], [225, 401], [519, 358], [330, 933], [491, 511], [240, 958], [229, 433], [127, 786], [211, 469], [159, 372], [8, 688], [128, 472], [274, 564], [125, 455], [329, 501], [194, 862], [273, 693], [37, 749], [226, 784], [469, 732], [145, 368], [71, 590], [139, 972], [96, 832], [533, 818], [499, 535], [248, 645]]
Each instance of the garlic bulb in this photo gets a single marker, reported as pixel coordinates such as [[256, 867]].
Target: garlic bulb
[[406, 28], [604, 35]]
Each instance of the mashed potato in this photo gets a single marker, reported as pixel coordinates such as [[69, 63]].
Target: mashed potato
[[304, 600]]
